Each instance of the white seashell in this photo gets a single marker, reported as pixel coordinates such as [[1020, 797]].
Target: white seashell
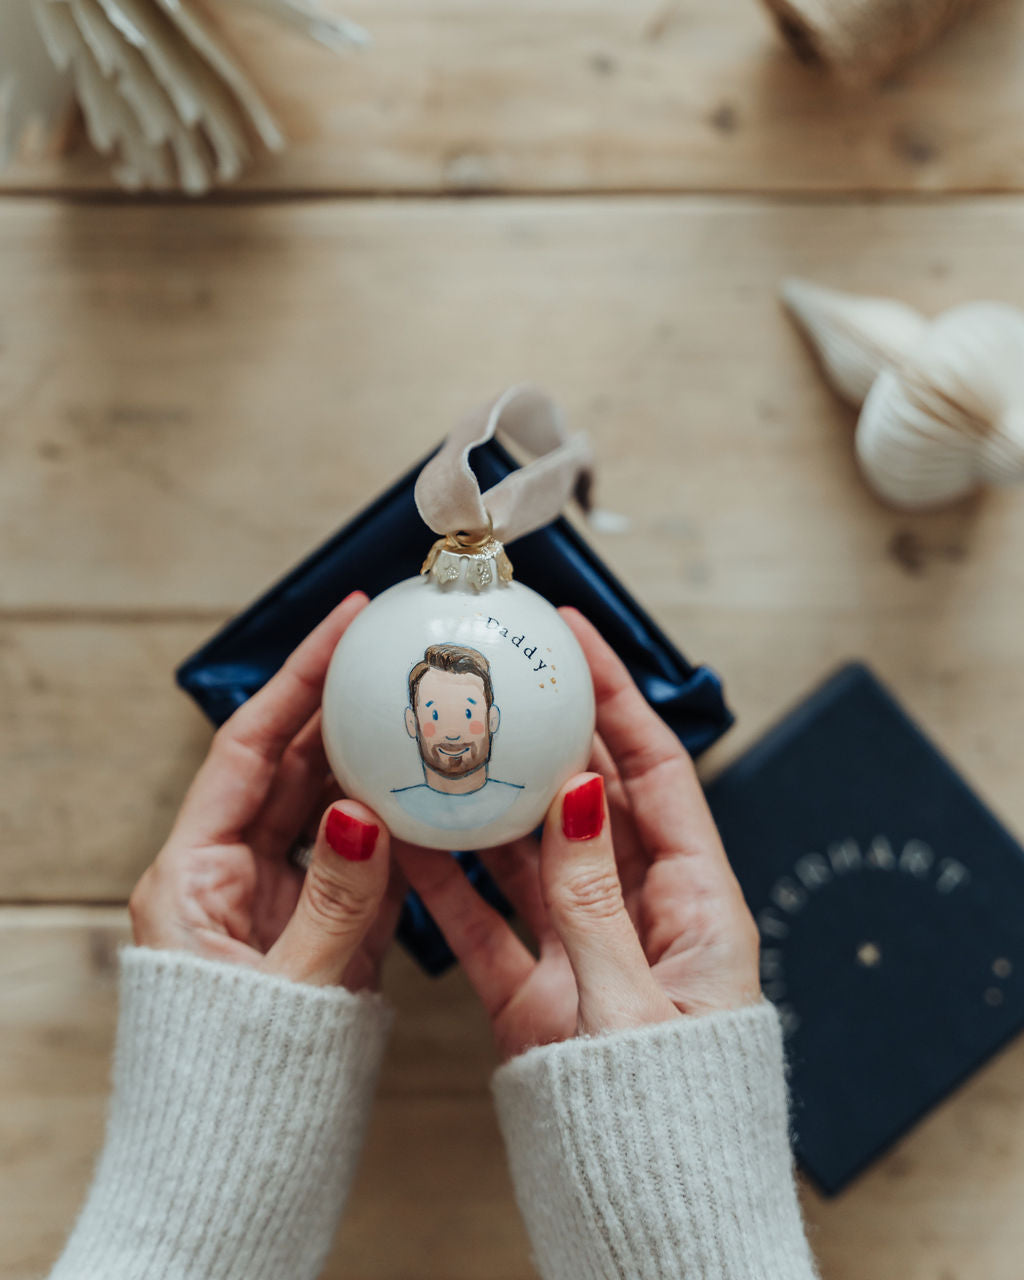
[[854, 337], [943, 411], [160, 92]]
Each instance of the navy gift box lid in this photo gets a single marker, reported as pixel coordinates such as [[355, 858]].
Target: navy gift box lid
[[891, 909], [386, 543]]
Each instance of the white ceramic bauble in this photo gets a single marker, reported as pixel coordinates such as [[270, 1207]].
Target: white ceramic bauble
[[457, 704]]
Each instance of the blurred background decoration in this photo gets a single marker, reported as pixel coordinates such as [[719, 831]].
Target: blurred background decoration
[[941, 402], [862, 41], [159, 89]]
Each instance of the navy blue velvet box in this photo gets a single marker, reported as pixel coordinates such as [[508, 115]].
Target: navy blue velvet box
[[386, 543], [890, 904]]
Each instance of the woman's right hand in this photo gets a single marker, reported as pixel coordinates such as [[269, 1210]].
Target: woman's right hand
[[636, 913], [222, 886]]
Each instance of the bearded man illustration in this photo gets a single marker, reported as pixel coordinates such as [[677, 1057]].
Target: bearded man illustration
[[453, 717]]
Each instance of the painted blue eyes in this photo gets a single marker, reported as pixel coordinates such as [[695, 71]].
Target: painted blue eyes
[[434, 714], [469, 714]]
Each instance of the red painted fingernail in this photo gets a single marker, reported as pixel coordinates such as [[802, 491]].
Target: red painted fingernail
[[351, 838], [583, 810]]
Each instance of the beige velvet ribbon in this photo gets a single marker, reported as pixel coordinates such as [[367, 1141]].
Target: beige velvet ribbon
[[448, 493]]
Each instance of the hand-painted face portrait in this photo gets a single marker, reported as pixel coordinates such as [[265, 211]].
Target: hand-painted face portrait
[[452, 716]]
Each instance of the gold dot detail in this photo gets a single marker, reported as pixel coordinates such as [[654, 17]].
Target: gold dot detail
[[869, 954]]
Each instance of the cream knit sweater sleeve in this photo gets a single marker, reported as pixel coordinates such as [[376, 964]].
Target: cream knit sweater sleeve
[[240, 1104], [657, 1154], [239, 1107]]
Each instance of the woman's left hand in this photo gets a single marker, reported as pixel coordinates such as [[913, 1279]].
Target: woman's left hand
[[222, 885]]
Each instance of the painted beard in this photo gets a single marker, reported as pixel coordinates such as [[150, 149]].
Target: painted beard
[[455, 759]]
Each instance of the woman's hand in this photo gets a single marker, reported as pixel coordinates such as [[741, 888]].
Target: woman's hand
[[222, 885], [636, 913]]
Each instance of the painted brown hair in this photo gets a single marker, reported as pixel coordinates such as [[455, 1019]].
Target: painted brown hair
[[455, 659]]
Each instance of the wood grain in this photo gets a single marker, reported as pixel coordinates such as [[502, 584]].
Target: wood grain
[[161, 363], [605, 95], [98, 748], [192, 397], [433, 1197]]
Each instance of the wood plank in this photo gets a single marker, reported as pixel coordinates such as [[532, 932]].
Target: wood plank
[[98, 746], [958, 686], [150, 488], [433, 1196], [163, 364], [586, 95]]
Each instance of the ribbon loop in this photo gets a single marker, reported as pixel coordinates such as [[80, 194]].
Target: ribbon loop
[[448, 495]]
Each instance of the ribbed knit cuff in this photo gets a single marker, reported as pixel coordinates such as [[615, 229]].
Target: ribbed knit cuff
[[657, 1153], [239, 1108]]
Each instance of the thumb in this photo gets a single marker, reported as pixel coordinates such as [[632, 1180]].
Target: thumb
[[583, 893], [342, 892]]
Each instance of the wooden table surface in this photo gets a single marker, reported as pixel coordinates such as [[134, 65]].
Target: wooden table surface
[[598, 196]]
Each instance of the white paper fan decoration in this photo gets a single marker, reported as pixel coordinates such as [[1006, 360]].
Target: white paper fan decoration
[[35, 98], [159, 91]]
